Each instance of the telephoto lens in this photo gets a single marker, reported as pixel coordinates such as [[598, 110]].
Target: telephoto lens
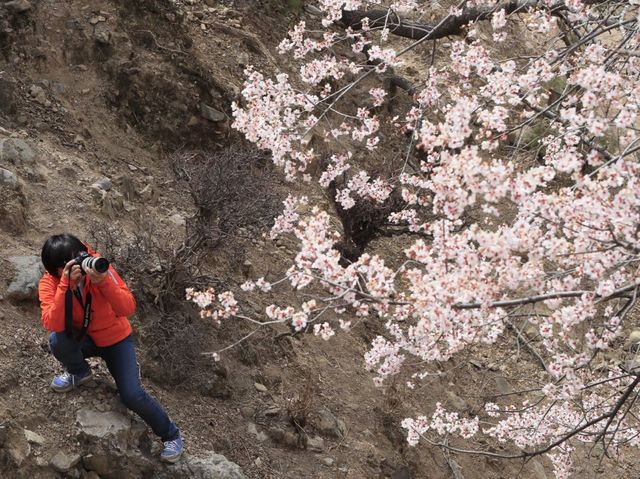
[[96, 263]]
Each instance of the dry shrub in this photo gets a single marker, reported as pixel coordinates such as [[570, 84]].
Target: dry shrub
[[235, 191], [172, 335], [301, 403]]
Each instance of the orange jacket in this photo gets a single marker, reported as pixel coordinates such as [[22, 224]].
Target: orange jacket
[[111, 303]]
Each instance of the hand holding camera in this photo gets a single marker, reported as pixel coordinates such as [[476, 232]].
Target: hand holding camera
[[95, 267]]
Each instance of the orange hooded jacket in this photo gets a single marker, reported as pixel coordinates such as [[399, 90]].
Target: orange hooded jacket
[[111, 303]]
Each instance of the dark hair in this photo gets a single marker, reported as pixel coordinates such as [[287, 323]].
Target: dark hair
[[58, 250]]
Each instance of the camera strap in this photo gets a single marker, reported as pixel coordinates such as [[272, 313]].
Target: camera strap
[[68, 313], [86, 318]]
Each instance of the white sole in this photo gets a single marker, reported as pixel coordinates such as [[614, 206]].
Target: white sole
[[72, 386], [171, 459]]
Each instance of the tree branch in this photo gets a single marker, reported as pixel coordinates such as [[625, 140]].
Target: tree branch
[[453, 25]]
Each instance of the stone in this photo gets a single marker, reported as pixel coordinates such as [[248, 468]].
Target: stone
[[149, 194], [16, 151], [328, 461], [211, 466], [211, 113], [103, 184], [260, 387], [272, 411], [16, 445], [476, 363], [8, 179], [63, 462], [99, 425], [102, 34], [28, 270], [259, 435], [39, 95], [97, 19], [4, 433], [328, 425], [104, 464], [34, 438], [315, 444], [18, 6]]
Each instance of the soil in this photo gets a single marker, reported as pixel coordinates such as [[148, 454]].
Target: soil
[[119, 91]]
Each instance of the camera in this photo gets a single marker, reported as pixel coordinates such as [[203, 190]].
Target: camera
[[97, 263]]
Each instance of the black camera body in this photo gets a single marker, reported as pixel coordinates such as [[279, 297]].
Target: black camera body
[[97, 263]]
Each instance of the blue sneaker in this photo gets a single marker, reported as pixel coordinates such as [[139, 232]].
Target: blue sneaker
[[67, 381], [172, 450]]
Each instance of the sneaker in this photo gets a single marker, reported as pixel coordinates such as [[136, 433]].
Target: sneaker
[[67, 381], [172, 450]]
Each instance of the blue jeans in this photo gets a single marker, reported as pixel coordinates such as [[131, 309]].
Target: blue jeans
[[123, 366]]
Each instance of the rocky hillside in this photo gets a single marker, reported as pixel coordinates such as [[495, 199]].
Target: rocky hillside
[[114, 125]]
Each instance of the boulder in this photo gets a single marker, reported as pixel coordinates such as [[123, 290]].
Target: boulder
[[28, 271], [15, 445], [8, 179], [18, 6], [16, 151], [211, 114], [64, 462], [34, 438], [212, 466], [98, 425], [13, 206]]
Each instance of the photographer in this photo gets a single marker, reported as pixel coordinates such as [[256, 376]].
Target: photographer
[[85, 305]]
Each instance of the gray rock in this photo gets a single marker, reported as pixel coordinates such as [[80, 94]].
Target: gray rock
[[102, 34], [39, 95], [8, 178], [16, 151], [100, 464], [97, 19], [103, 184], [63, 462], [213, 466], [99, 425], [29, 270], [16, 445], [260, 387], [315, 444], [34, 438], [4, 433], [211, 113], [18, 6], [329, 425]]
